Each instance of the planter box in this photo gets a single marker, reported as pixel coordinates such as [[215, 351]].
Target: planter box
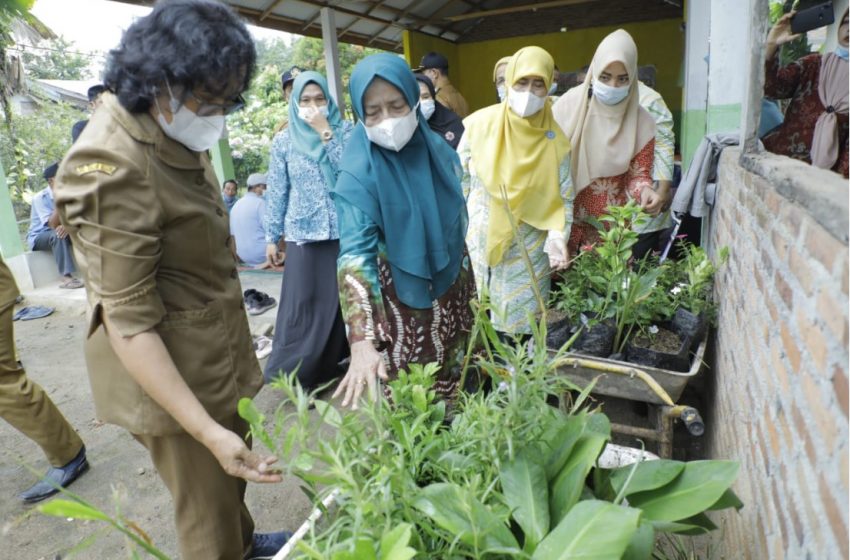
[[630, 387]]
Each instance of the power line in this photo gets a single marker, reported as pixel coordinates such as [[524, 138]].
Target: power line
[[23, 49]]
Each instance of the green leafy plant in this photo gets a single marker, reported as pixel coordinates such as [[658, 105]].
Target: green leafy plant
[[695, 277], [498, 474]]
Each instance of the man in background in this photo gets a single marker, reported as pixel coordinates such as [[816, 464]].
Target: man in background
[[246, 222], [436, 67], [47, 234]]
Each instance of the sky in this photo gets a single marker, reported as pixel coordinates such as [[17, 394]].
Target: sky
[[96, 25]]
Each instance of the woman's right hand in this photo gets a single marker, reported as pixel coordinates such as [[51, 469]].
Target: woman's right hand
[[780, 33], [366, 366], [273, 255]]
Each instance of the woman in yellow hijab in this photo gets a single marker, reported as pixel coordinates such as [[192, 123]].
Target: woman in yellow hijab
[[516, 167]]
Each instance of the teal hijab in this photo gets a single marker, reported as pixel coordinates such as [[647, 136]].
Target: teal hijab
[[304, 138], [414, 195]]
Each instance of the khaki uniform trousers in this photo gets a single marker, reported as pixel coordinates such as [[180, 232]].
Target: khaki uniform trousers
[[212, 520], [26, 406]]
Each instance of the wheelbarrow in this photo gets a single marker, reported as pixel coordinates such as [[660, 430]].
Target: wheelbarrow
[[659, 388]]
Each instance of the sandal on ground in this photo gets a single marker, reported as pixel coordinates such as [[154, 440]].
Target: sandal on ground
[[72, 284]]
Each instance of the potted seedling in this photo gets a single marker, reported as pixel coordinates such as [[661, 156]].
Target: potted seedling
[[692, 293]]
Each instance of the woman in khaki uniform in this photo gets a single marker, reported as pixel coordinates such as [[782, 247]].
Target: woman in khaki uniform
[[169, 352]]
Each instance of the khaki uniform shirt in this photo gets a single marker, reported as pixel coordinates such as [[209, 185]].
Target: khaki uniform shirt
[[449, 96], [8, 287], [152, 238]]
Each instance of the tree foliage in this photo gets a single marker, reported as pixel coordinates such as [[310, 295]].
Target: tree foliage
[[56, 60]]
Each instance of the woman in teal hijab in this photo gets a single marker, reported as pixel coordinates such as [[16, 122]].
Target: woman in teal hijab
[[403, 272], [305, 158]]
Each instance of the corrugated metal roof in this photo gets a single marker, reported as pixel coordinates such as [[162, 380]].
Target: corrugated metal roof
[[380, 23]]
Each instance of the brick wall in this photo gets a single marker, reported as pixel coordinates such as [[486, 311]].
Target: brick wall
[[780, 401]]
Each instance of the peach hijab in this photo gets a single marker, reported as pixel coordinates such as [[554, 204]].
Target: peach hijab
[[604, 138]]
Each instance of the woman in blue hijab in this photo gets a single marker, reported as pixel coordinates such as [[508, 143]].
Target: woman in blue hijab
[[309, 332], [404, 276]]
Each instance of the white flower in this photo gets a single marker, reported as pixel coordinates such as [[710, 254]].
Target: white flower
[[653, 329], [676, 290], [236, 154], [502, 387]]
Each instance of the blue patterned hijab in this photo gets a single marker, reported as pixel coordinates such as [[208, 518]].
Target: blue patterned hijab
[[304, 138], [414, 195]]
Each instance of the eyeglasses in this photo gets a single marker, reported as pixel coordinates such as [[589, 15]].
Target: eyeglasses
[[206, 109]]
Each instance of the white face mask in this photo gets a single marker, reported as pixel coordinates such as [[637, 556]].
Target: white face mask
[[525, 103], [197, 133], [428, 107], [502, 92], [304, 112], [393, 134], [609, 95]]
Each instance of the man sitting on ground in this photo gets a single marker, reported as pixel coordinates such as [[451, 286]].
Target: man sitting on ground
[[246, 222], [47, 234]]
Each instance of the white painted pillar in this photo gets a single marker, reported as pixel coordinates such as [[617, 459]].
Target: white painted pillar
[[332, 58], [754, 67]]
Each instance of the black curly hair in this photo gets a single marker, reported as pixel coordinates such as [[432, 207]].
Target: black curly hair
[[188, 44]]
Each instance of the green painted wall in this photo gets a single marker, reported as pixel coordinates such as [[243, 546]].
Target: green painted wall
[[471, 64], [698, 123], [10, 239]]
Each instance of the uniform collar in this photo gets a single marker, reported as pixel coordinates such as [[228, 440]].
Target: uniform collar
[[143, 128]]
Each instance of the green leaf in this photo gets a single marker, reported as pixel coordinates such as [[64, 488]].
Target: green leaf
[[700, 485], [562, 441], [394, 545], [727, 500], [593, 530], [459, 512], [363, 550], [642, 543], [250, 413], [74, 510], [700, 523], [526, 490], [566, 489], [329, 414], [649, 475]]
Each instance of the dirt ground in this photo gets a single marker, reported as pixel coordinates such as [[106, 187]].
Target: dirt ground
[[121, 474]]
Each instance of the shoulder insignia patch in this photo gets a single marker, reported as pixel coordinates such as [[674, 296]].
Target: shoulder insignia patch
[[97, 167]]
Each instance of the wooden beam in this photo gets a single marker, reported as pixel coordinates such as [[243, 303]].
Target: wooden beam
[[517, 9], [268, 10]]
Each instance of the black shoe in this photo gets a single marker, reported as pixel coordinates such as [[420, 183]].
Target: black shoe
[[266, 545], [56, 477]]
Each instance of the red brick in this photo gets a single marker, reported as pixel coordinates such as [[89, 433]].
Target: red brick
[[773, 201], [779, 367], [801, 268], [759, 436], [822, 245], [774, 316], [784, 290], [772, 435], [844, 470], [780, 502], [803, 432], [758, 278], [792, 512], [804, 486], [820, 410], [813, 339], [834, 315], [785, 430], [779, 244], [842, 388], [833, 514], [791, 217], [790, 347]]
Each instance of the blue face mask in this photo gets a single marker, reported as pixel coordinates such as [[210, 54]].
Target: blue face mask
[[609, 95], [841, 52]]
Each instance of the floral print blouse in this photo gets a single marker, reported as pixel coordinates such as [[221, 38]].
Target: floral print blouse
[[298, 202], [595, 198], [799, 82]]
